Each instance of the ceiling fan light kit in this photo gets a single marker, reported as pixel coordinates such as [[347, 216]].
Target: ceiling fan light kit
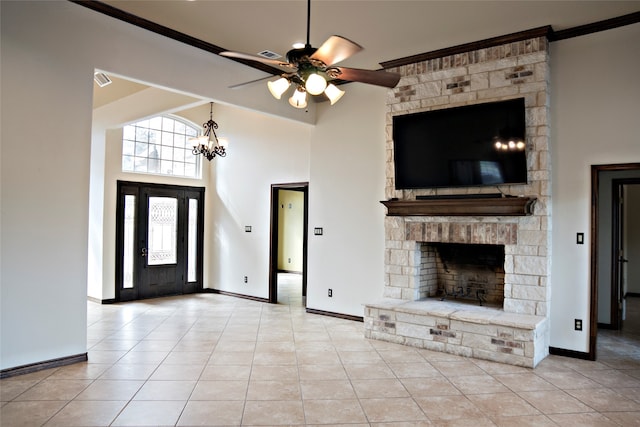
[[333, 93], [315, 84], [299, 98], [306, 67], [278, 87]]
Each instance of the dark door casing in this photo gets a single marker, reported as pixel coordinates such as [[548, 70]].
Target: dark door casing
[[273, 250]]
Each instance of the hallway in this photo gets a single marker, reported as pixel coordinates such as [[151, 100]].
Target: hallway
[[620, 348], [290, 289]]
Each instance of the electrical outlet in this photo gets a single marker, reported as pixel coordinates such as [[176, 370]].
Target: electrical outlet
[[330, 293], [246, 279], [578, 324]]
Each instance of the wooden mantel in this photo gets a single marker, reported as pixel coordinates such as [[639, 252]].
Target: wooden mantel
[[502, 206]]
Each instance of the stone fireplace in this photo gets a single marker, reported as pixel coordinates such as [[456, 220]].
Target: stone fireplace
[[438, 296]]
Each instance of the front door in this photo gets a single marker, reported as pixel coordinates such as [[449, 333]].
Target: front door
[[159, 245]]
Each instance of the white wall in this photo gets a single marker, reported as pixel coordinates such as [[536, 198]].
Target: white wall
[[45, 90], [595, 105], [95, 256], [49, 52], [350, 155], [347, 184], [262, 151]]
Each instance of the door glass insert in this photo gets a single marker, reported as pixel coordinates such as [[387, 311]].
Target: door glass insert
[[129, 240], [192, 238], [162, 231]]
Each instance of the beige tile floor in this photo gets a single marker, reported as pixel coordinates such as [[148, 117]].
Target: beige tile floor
[[216, 360]]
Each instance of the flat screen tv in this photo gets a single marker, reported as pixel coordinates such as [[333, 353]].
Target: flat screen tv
[[474, 145]]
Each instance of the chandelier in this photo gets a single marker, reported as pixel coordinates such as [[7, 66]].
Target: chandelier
[[208, 144]]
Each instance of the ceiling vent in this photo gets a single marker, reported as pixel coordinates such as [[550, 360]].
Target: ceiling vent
[[101, 79], [270, 55]]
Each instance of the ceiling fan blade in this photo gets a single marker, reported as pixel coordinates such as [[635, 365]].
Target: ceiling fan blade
[[241, 85], [336, 49], [280, 65], [374, 77]]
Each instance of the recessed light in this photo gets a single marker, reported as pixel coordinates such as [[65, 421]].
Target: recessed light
[[298, 45]]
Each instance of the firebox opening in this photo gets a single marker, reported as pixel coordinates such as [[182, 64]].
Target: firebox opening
[[466, 273]]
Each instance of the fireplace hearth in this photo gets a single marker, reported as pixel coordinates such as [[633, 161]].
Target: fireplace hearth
[[491, 299]]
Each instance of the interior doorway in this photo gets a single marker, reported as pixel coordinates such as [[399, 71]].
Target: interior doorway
[[625, 285], [615, 251], [288, 242]]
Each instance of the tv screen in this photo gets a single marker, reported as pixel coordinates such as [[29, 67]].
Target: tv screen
[[474, 145]]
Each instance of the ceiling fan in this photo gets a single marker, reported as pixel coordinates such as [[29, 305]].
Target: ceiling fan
[[312, 69]]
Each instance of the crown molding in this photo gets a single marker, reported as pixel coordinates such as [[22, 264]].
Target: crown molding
[[607, 24], [129, 18], [469, 47]]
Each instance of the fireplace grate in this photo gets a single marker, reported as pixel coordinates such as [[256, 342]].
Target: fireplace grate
[[472, 291]]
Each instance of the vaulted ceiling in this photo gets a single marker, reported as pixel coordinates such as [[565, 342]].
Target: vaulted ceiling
[[387, 29]]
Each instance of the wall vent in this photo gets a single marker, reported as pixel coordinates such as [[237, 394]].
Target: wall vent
[[101, 79]]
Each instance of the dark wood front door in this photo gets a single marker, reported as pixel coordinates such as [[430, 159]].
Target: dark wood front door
[[159, 245]]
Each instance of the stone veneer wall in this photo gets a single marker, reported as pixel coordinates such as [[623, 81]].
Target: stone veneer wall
[[518, 333], [515, 70]]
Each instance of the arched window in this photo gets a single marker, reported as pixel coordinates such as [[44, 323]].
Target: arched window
[[160, 145]]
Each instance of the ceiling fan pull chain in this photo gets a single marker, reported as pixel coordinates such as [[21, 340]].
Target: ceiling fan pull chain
[[308, 22]]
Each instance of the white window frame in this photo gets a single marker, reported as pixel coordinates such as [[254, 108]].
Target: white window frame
[[152, 147]]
